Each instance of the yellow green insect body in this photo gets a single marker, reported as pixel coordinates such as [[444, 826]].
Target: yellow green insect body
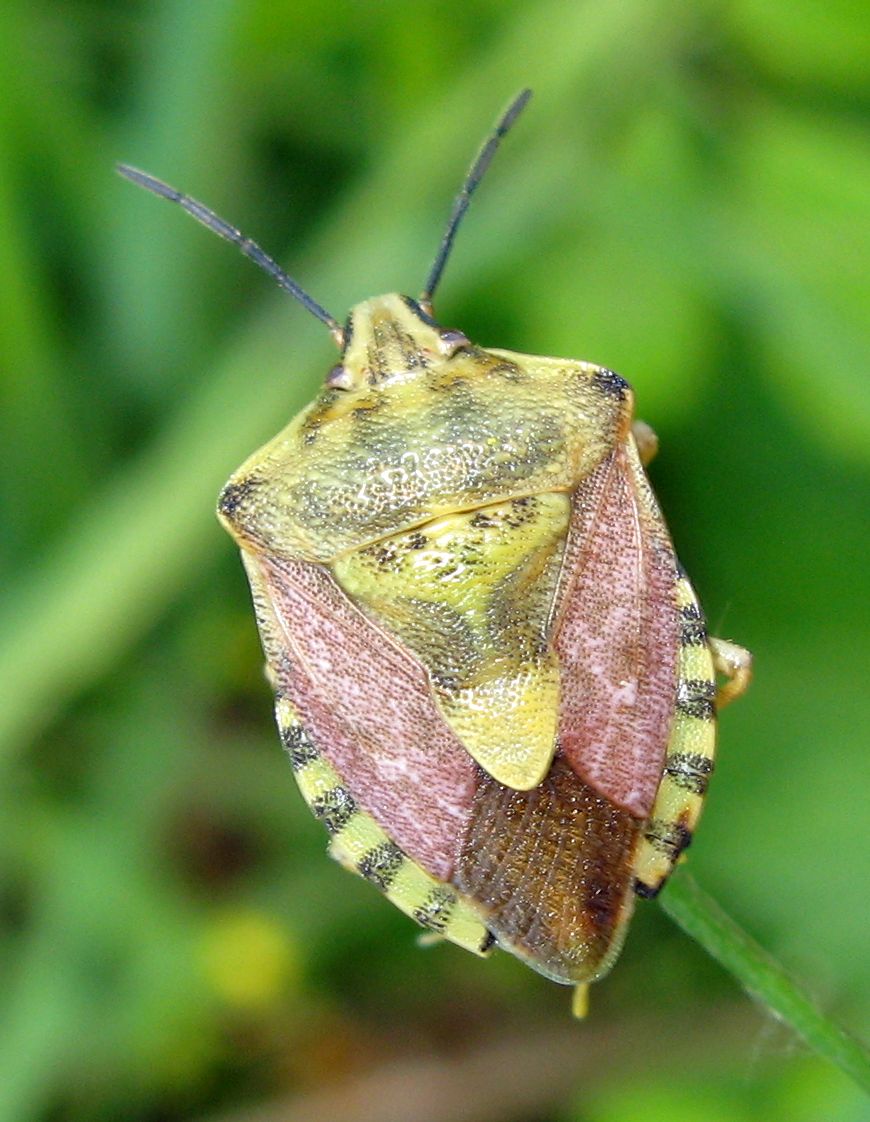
[[493, 680]]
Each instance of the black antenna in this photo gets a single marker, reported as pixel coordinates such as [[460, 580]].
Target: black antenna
[[460, 205], [225, 230]]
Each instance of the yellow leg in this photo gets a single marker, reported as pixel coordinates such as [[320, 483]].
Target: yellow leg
[[646, 440], [736, 665], [429, 939], [580, 1001]]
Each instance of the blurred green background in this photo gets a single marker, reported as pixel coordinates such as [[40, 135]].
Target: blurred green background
[[684, 201]]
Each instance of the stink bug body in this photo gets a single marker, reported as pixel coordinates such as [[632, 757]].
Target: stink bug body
[[493, 680]]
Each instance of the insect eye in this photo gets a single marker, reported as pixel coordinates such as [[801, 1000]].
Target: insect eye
[[451, 341], [338, 378]]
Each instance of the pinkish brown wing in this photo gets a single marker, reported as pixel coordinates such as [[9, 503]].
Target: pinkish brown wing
[[368, 708], [617, 635]]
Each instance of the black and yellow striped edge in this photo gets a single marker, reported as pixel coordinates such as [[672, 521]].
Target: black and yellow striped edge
[[362, 846], [690, 753]]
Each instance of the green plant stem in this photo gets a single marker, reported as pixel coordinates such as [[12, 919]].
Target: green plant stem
[[762, 976]]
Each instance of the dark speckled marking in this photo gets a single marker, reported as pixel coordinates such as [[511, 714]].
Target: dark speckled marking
[[390, 350], [611, 383], [374, 405], [234, 494], [386, 555], [321, 411], [695, 698], [693, 632], [381, 864], [520, 513], [670, 838], [510, 371], [334, 808], [434, 912], [298, 746], [690, 770]]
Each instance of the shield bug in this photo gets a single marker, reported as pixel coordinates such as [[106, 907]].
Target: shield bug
[[493, 679]]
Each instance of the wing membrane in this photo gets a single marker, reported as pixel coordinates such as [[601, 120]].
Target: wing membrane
[[552, 871]]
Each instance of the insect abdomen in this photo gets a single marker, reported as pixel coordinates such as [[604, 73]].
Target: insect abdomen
[[690, 755], [359, 843]]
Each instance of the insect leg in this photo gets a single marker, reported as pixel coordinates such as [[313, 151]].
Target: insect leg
[[580, 1001], [646, 440], [735, 663]]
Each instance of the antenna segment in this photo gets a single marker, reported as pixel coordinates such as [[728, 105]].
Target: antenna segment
[[224, 230], [460, 205]]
